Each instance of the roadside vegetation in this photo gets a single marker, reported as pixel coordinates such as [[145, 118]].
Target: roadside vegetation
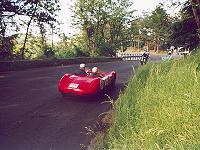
[[159, 109]]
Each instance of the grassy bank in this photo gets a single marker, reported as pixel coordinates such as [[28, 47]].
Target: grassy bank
[[160, 108]]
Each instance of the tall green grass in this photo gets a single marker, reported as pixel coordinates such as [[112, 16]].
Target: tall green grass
[[160, 108]]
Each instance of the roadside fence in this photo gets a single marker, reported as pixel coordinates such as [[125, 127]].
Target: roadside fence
[[131, 56]]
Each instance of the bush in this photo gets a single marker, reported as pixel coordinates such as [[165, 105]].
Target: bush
[[104, 49], [80, 53], [65, 53]]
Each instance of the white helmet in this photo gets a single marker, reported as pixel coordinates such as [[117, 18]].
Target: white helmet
[[82, 65], [94, 69]]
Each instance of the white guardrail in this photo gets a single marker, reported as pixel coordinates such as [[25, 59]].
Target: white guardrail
[[168, 57], [127, 56], [184, 53]]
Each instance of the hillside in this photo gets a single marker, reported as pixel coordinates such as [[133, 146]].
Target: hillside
[[160, 108]]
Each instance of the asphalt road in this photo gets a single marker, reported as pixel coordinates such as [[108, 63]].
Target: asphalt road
[[34, 116]]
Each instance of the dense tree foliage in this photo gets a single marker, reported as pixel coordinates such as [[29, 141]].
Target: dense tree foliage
[[185, 29], [106, 26], [71, 47], [156, 28], [160, 24], [102, 23]]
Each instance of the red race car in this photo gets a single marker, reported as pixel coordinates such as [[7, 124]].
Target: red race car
[[71, 84]]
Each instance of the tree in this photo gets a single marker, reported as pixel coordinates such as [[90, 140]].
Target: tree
[[7, 45], [43, 31], [8, 9], [33, 45], [140, 32], [32, 14], [102, 22], [196, 12], [159, 25], [42, 11], [185, 29], [190, 14]]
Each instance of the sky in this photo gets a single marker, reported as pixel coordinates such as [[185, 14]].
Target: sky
[[65, 13]]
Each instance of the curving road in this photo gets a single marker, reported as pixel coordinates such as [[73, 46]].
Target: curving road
[[34, 116]]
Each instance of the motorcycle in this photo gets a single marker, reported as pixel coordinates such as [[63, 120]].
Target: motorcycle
[[143, 60]]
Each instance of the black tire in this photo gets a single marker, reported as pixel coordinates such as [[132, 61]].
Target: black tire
[[146, 60], [141, 62]]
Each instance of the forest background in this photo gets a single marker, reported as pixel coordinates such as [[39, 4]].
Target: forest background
[[104, 28]]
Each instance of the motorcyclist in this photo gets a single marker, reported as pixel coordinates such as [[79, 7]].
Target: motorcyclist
[[81, 70], [146, 54], [145, 57]]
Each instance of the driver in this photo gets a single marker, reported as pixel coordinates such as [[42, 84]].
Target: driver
[[145, 55], [81, 70], [95, 72]]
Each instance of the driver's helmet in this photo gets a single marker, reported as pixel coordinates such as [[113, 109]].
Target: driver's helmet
[[82, 66], [94, 70]]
